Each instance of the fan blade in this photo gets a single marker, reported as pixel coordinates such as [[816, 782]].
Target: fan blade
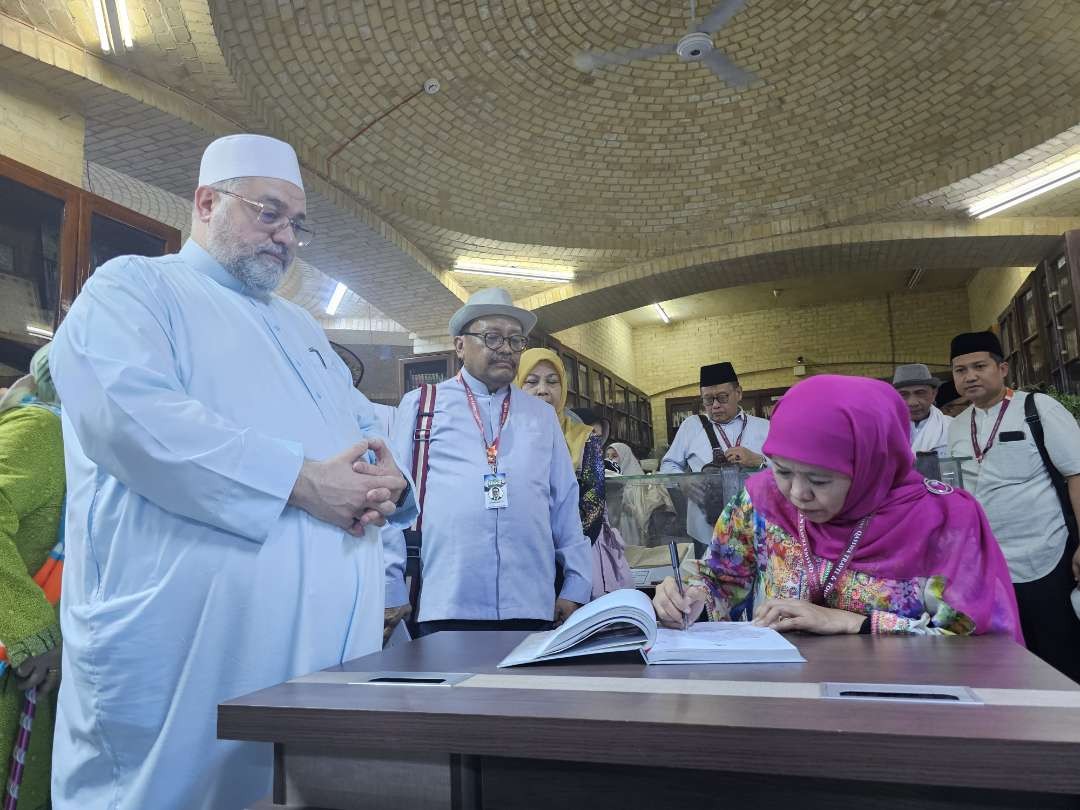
[[590, 60], [716, 18], [727, 70]]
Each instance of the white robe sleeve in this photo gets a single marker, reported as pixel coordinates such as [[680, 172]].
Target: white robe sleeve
[[114, 365], [393, 536], [674, 460]]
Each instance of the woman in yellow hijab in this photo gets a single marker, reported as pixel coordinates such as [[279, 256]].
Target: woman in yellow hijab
[[542, 374]]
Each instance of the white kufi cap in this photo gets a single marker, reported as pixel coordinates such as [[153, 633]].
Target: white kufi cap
[[249, 156]]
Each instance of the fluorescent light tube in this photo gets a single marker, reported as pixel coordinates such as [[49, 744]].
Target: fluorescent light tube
[[102, 25], [552, 276], [39, 331], [335, 299], [663, 315], [125, 23], [1025, 192]]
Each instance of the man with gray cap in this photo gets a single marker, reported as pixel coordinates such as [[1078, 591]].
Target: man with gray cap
[[225, 485], [929, 426], [499, 493]]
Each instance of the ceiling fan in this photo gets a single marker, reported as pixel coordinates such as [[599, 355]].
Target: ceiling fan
[[695, 46]]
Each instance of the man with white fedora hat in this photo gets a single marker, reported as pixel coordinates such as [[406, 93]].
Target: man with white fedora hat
[[929, 426], [498, 490], [225, 487]]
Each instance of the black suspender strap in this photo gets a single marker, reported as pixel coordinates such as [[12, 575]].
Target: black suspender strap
[[425, 414]]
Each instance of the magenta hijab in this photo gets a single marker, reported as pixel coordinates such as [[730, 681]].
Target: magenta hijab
[[860, 427]]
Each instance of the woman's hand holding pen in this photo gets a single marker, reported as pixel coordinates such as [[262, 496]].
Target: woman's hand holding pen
[[675, 610]]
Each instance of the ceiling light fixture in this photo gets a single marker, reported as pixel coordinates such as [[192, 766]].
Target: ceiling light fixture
[[335, 299], [1033, 188], [113, 25], [39, 331], [663, 315], [551, 276]]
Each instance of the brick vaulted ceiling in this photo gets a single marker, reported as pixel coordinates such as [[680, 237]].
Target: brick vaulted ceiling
[[857, 146]]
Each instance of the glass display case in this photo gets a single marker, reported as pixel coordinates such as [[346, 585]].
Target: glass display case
[[946, 469], [651, 511]]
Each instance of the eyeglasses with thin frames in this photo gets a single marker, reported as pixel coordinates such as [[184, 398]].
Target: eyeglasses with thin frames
[[708, 401], [495, 341], [274, 220]]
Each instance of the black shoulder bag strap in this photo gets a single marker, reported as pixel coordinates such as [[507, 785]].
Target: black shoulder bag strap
[[1031, 416], [711, 433]]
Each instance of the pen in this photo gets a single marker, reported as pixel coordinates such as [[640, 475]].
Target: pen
[[675, 570]]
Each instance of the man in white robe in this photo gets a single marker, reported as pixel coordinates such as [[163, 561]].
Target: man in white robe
[[225, 487], [929, 426]]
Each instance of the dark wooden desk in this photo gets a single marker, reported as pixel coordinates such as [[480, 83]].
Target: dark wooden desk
[[352, 746]]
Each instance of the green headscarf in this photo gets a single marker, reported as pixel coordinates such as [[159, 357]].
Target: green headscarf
[[39, 370], [38, 384]]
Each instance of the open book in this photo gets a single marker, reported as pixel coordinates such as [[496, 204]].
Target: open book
[[624, 620]]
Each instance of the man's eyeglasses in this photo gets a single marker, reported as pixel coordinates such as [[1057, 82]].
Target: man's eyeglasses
[[722, 399], [273, 220], [495, 341]]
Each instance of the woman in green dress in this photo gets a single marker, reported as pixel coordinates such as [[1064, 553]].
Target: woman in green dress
[[31, 501]]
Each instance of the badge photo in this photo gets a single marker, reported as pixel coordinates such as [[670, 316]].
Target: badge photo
[[496, 492]]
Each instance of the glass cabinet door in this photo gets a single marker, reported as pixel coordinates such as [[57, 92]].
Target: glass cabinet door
[[52, 235], [595, 388], [571, 373], [1061, 326], [583, 385], [110, 238], [108, 230], [1032, 343], [31, 234], [1010, 344]]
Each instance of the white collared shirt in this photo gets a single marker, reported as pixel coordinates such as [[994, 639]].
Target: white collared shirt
[[1012, 483]]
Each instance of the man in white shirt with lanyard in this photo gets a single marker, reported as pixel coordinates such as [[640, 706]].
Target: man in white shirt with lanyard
[[724, 433], [1008, 475], [929, 426], [498, 491]]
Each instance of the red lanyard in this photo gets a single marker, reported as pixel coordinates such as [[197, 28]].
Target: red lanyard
[[723, 433], [838, 569], [981, 454], [492, 450]]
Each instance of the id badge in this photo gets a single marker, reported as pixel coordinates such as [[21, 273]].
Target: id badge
[[496, 492]]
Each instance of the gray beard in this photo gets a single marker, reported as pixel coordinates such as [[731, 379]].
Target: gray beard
[[256, 271]]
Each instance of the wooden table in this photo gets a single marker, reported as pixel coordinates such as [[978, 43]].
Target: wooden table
[[766, 740]]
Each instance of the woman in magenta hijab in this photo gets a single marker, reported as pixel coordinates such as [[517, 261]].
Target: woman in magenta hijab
[[842, 535]]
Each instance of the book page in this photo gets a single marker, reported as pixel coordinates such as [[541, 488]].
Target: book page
[[742, 635], [721, 642], [617, 621]]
